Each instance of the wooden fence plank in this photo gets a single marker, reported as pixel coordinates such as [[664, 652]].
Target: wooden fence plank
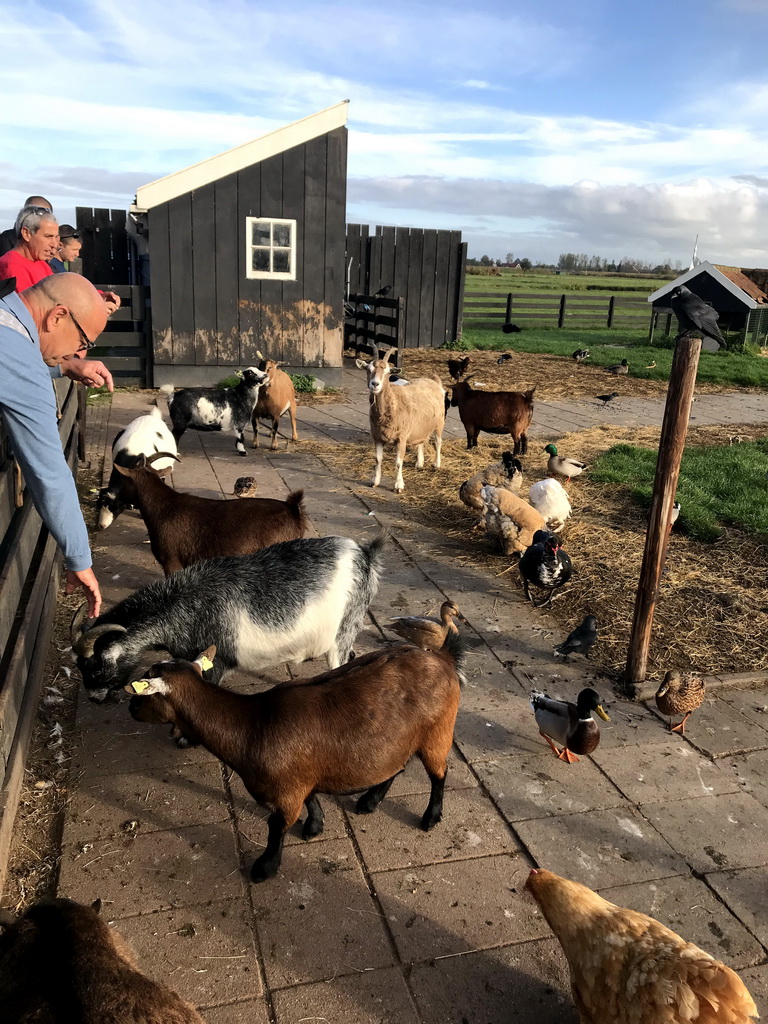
[[440, 304], [415, 250], [312, 268], [229, 259], [204, 274], [294, 309], [160, 280], [181, 281], [335, 211], [426, 329], [102, 245]]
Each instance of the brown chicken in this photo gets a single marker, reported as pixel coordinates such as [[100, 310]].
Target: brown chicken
[[626, 968]]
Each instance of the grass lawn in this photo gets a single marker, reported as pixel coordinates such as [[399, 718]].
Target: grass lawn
[[611, 346], [530, 281], [719, 486]]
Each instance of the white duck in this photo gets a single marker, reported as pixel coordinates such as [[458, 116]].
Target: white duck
[[549, 499]]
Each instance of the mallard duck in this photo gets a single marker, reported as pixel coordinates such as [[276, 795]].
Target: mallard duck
[[680, 693], [618, 369], [572, 725], [545, 565], [562, 465], [424, 631]]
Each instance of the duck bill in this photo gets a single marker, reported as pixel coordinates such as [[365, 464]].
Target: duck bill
[[599, 710]]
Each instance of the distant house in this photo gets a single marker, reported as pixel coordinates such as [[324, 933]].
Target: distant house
[[247, 254], [738, 294]]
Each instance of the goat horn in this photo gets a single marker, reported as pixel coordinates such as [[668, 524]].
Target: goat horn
[[77, 625], [388, 353], [149, 459], [84, 646]]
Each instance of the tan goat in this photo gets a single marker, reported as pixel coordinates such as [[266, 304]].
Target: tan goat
[[274, 401], [408, 415]]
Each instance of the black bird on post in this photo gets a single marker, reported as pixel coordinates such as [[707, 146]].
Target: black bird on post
[[695, 318], [382, 293], [581, 640]]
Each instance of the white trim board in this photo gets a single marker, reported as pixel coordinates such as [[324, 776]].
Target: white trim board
[[718, 275], [232, 160]]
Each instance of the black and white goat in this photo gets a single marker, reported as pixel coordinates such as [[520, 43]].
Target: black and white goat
[[145, 437], [217, 408], [287, 603]]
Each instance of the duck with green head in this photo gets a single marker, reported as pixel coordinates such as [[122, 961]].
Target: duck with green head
[[561, 465], [571, 725]]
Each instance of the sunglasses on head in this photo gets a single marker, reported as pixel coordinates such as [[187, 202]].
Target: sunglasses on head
[[65, 238]]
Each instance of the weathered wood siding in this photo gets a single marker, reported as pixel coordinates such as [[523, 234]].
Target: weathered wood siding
[[205, 311], [107, 254], [29, 568]]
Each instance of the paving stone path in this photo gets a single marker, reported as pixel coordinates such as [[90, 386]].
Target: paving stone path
[[376, 921]]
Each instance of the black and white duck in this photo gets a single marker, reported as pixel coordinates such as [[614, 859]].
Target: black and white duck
[[545, 565]]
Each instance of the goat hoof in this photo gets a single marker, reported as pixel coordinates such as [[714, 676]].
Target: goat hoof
[[243, 454], [310, 831], [430, 820], [263, 872], [364, 806], [183, 742]]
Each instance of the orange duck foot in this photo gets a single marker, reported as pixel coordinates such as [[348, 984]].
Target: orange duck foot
[[566, 755], [680, 727]]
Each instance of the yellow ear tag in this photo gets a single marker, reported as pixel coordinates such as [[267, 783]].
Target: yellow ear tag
[[205, 663], [140, 685]]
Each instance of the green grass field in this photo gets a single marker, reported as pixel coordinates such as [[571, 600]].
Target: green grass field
[[548, 283], [719, 486]]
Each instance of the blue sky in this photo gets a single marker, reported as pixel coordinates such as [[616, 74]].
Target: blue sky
[[598, 127]]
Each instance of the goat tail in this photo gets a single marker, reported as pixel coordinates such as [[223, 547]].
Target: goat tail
[[295, 503], [373, 550], [167, 390], [529, 395], [455, 649]]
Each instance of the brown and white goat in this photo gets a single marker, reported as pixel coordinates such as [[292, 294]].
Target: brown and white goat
[[351, 729], [495, 412], [60, 962], [403, 416], [184, 528], [274, 401]]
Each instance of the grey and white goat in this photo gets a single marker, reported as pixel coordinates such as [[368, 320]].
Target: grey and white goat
[[287, 603], [217, 408], [145, 437]]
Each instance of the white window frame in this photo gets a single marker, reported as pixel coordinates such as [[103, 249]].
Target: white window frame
[[272, 275]]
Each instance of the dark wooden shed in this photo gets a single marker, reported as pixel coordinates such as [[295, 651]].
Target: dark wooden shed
[[247, 254]]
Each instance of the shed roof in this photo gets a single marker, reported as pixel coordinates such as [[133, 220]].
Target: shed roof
[[731, 281], [237, 159]]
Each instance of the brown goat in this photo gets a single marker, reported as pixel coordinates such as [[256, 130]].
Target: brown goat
[[184, 528], [353, 728], [274, 401], [61, 964], [495, 412]]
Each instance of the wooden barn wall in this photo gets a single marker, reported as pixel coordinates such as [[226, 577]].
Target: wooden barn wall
[[205, 311]]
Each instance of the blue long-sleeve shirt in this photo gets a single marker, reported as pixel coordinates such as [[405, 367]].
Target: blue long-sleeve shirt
[[28, 407]]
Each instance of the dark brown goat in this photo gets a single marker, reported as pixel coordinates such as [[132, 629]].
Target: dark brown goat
[[351, 729], [458, 367], [495, 412], [184, 528], [61, 964]]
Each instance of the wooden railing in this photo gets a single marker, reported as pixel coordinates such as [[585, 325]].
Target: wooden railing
[[125, 344], [30, 564], [491, 309]]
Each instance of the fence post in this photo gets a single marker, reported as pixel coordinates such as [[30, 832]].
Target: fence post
[[682, 379], [611, 303], [508, 313], [561, 314], [400, 337]]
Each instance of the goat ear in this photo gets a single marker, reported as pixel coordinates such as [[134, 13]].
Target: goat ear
[[96, 905], [361, 364], [204, 661], [122, 470], [146, 687]]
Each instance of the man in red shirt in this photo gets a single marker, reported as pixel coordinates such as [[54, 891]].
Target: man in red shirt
[[37, 231]]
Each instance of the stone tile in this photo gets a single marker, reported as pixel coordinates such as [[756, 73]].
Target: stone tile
[[664, 771], [688, 907], [756, 980], [496, 725], [176, 868], [746, 893], [528, 982], [601, 848], [539, 785], [143, 801], [250, 1012], [749, 772], [252, 819], [316, 919], [206, 953], [717, 729], [415, 780], [716, 832], [443, 909], [392, 836], [376, 997], [631, 724]]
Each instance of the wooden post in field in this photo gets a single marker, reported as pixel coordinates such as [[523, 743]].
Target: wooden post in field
[[682, 379]]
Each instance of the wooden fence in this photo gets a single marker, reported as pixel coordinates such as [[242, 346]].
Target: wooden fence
[[423, 267], [108, 252], [372, 320], [490, 309], [29, 578], [126, 342]]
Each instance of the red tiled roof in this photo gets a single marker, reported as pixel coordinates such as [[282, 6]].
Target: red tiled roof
[[736, 276]]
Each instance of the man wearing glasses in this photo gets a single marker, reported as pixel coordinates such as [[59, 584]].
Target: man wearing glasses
[[43, 331]]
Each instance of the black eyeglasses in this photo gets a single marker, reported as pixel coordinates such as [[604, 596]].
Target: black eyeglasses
[[85, 341]]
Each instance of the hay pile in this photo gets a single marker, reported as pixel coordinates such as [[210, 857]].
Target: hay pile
[[712, 612]]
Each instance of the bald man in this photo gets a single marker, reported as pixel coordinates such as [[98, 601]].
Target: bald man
[[44, 331]]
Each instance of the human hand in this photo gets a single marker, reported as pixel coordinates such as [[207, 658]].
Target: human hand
[[86, 579], [91, 372], [112, 301]]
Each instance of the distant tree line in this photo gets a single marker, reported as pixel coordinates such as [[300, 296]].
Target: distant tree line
[[578, 262]]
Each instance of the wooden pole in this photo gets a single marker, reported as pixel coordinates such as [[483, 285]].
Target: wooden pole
[[677, 411]]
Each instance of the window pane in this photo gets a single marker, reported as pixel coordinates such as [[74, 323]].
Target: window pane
[[281, 260], [261, 259], [282, 234], [260, 234]]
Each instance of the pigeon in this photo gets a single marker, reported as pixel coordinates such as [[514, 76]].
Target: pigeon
[[581, 640], [503, 358], [605, 399], [511, 328], [694, 316], [618, 368], [580, 354], [545, 565]]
